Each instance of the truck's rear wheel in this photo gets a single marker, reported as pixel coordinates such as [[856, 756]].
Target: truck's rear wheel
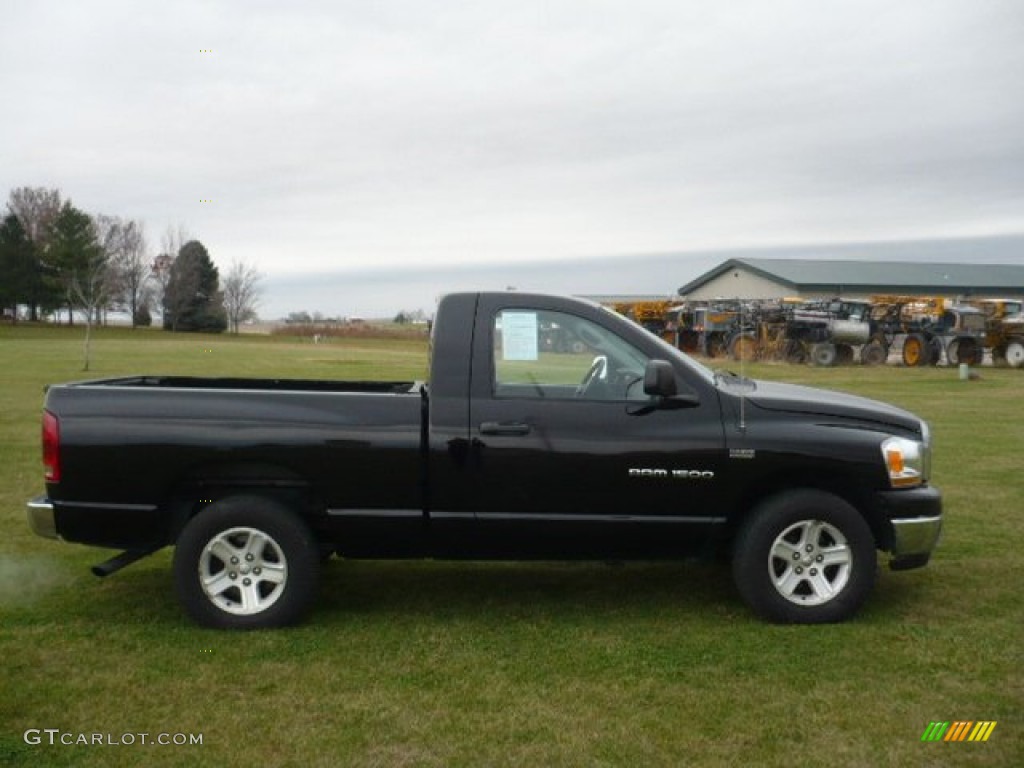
[[804, 557], [246, 562]]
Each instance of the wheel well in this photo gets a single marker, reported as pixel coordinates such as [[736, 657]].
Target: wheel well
[[842, 487], [204, 486]]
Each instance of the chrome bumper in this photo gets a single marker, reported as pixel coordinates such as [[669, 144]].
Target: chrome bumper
[[914, 540], [40, 517]]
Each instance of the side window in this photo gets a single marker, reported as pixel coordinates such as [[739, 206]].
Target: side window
[[542, 354]]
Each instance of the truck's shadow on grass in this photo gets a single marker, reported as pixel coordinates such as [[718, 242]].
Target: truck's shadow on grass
[[454, 589], [363, 590]]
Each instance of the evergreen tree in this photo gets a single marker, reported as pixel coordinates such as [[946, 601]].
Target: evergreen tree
[[192, 299], [18, 265], [76, 259]]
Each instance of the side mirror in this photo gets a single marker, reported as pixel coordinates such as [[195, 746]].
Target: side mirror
[[660, 383], [660, 379]]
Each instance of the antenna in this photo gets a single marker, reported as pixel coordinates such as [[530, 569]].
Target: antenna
[[743, 367]]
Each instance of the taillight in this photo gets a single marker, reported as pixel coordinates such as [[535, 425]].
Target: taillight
[[51, 448]]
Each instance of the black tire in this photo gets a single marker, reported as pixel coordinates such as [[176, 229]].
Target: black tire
[[832, 578], [246, 562], [979, 354], [874, 353], [823, 354], [743, 347], [716, 346], [793, 352], [966, 350]]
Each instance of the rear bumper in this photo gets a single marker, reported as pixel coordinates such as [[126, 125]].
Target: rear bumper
[[916, 519], [127, 526], [41, 519]]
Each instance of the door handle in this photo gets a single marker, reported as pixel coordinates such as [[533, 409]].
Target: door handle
[[504, 428]]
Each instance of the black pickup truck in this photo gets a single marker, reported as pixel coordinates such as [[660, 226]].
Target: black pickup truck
[[551, 428]]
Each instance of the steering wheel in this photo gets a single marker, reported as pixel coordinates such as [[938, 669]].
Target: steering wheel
[[598, 370]]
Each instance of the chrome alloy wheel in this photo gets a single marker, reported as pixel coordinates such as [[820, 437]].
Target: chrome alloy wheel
[[810, 562], [243, 571]]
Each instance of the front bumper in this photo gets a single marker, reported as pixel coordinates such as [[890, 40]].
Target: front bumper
[[916, 519], [40, 517], [914, 541]]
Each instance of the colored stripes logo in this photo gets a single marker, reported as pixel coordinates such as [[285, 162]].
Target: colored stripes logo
[[959, 730]]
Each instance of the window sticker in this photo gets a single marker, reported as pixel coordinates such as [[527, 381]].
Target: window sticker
[[519, 336]]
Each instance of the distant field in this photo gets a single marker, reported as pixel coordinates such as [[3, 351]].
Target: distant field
[[464, 664]]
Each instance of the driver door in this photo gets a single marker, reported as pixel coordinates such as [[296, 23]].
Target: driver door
[[563, 436]]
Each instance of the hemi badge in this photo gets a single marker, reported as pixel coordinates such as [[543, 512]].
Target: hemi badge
[[742, 453]]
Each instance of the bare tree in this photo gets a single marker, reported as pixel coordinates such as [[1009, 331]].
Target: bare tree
[[136, 270], [241, 293], [79, 249], [37, 209], [124, 242], [171, 243], [90, 289], [133, 268], [160, 272], [109, 235]]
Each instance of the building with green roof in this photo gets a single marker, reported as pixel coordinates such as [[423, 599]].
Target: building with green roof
[[807, 278]]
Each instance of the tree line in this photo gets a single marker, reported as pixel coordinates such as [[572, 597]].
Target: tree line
[[55, 257]]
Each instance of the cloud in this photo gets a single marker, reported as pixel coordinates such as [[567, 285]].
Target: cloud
[[339, 136], [382, 291]]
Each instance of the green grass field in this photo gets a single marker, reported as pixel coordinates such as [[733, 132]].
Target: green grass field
[[455, 664]]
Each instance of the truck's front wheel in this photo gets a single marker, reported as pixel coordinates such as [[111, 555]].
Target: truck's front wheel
[[246, 562], [805, 557]]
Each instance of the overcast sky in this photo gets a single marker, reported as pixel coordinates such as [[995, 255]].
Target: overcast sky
[[361, 138]]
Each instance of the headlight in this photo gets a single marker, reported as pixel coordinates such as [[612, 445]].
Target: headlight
[[906, 461]]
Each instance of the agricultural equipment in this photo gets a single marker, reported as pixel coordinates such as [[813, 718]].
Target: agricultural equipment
[[828, 331], [824, 332], [705, 329], [760, 333], [931, 326], [1004, 330], [652, 315], [557, 338]]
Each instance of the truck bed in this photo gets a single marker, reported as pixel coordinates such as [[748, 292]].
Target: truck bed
[[133, 447], [247, 384]]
